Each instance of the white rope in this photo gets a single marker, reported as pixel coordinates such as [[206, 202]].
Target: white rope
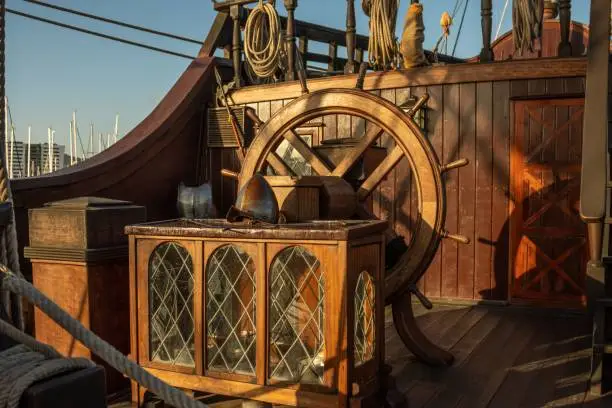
[[382, 47], [263, 40], [98, 346]]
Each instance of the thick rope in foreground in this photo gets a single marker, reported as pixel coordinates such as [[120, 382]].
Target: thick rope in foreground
[[383, 47], [29, 362], [98, 346], [262, 40], [21, 367]]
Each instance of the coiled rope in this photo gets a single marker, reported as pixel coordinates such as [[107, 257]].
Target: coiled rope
[[263, 40], [383, 49], [104, 350], [22, 367]]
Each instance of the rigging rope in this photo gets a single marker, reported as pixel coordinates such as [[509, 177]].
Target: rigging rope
[[263, 40], [97, 34], [527, 17], [98, 346], [383, 49]]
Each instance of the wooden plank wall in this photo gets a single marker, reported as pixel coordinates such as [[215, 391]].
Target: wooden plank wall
[[471, 120]]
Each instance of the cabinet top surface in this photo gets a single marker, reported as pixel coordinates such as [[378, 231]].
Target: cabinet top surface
[[220, 228]]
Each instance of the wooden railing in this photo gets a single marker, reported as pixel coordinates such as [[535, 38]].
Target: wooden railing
[[593, 189], [306, 34]]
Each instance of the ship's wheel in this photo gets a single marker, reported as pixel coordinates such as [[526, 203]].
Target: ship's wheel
[[383, 117]]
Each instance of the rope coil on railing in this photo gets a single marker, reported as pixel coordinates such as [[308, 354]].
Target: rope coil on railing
[[98, 346], [263, 39]]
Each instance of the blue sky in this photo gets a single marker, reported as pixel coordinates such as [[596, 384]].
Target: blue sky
[[51, 71]]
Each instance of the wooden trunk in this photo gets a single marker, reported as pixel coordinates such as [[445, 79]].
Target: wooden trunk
[[290, 315], [78, 253]]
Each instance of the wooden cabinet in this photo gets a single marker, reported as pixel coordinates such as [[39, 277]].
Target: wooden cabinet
[[286, 314]]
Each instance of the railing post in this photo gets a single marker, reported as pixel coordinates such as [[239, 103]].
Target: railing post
[[486, 55], [303, 48], [565, 47], [236, 44], [333, 54], [290, 5], [350, 66], [594, 175]]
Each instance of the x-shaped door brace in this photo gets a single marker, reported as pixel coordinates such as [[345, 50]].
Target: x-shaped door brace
[[553, 264], [550, 199], [575, 116]]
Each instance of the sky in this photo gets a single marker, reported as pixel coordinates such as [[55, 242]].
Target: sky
[[52, 71]]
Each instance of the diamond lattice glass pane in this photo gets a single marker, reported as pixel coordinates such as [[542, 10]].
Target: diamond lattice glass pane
[[230, 311], [365, 320], [297, 346], [171, 325]]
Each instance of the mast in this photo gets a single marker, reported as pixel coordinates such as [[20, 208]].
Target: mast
[[29, 172], [70, 142], [100, 143], [49, 148], [90, 150], [74, 135], [52, 153], [116, 129], [10, 172]]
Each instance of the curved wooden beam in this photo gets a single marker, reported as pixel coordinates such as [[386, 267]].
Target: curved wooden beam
[[146, 165], [413, 337]]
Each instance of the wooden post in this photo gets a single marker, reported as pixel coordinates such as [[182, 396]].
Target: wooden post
[[85, 271], [486, 55], [236, 44], [350, 66], [565, 47], [594, 176], [333, 54], [290, 5], [303, 48]]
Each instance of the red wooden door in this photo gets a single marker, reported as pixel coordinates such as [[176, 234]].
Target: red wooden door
[[547, 236]]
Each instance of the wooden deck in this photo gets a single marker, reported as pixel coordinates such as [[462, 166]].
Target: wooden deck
[[505, 357]]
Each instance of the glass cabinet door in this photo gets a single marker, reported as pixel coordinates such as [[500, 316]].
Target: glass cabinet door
[[168, 299], [296, 335], [231, 300]]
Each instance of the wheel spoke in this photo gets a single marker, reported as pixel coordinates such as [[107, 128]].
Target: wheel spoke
[[310, 156], [279, 166], [380, 173], [366, 140]]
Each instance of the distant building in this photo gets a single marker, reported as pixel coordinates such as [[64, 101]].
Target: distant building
[[39, 159]]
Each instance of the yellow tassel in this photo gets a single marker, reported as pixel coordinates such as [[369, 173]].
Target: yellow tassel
[[445, 22]]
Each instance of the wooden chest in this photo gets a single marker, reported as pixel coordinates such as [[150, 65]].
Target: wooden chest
[[286, 314], [79, 259]]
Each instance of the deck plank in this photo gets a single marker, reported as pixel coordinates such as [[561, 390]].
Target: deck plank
[[464, 381], [564, 350], [522, 374], [488, 376]]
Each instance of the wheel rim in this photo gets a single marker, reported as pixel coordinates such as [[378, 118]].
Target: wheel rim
[[409, 142]]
